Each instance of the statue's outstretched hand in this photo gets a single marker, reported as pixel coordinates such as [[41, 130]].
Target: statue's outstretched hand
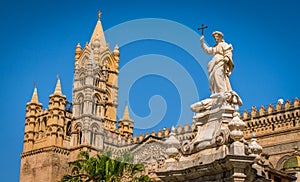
[[201, 38]]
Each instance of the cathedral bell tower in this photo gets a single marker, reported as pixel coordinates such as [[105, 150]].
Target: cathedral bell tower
[[95, 90]]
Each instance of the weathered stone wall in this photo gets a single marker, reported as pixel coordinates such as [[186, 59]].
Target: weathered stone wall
[[48, 165]]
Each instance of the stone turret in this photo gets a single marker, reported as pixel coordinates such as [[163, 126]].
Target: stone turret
[[126, 124], [33, 110], [57, 104]]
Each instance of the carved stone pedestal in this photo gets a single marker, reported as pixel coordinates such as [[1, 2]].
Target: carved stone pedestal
[[232, 168]]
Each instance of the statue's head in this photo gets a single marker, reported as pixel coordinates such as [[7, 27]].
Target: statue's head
[[218, 36]]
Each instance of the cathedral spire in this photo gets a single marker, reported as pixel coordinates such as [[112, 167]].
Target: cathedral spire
[[34, 98], [98, 32]]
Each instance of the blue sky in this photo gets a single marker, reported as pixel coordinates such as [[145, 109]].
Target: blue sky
[[38, 40]]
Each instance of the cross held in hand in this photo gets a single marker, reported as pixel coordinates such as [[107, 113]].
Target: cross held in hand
[[202, 28]]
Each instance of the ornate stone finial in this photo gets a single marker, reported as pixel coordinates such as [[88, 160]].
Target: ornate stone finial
[[78, 51], [236, 127], [99, 15], [116, 50], [254, 148], [172, 144]]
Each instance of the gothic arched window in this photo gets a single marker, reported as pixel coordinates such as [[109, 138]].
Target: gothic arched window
[[95, 104], [80, 104], [82, 79], [94, 132], [68, 129], [78, 130]]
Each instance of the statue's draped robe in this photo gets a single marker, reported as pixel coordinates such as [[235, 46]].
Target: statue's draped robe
[[218, 69]]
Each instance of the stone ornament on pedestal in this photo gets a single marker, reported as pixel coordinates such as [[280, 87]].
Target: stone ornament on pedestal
[[172, 144], [172, 150], [254, 148], [236, 127]]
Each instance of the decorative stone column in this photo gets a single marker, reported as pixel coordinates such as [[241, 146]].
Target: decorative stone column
[[236, 127]]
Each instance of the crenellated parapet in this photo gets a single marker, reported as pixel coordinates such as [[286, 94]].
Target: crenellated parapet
[[273, 119], [117, 139]]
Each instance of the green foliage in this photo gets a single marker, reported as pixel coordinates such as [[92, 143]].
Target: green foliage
[[102, 168]]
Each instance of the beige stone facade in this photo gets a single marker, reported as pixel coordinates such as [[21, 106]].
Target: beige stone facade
[[277, 129], [54, 136]]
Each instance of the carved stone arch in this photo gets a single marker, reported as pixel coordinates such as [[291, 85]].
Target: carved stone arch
[[94, 125], [77, 126], [281, 161], [79, 100], [97, 98], [94, 128], [37, 125], [68, 128], [59, 131], [83, 61], [81, 77], [106, 58], [78, 97], [44, 124], [77, 129], [61, 114], [97, 78], [49, 129], [81, 72], [96, 104]]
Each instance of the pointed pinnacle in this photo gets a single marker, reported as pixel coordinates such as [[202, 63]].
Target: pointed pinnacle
[[58, 87], [34, 97], [126, 113]]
